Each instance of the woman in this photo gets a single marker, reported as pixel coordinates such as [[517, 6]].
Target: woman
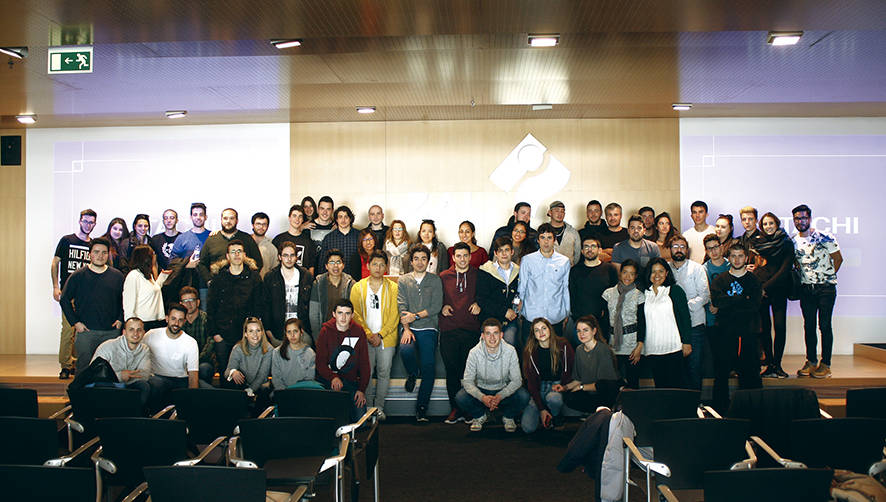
[[309, 207], [522, 246], [293, 362], [547, 365], [775, 276], [662, 231], [466, 231], [141, 226], [250, 363], [628, 322], [397, 244], [595, 381], [427, 236], [142, 295], [118, 235], [667, 325], [367, 246], [724, 229]]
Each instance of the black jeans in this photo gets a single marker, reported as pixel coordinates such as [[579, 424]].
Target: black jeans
[[223, 353], [667, 370], [818, 299], [630, 372], [454, 348], [733, 347], [773, 348]]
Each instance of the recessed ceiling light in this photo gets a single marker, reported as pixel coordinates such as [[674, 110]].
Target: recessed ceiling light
[[176, 114], [15, 52], [365, 109], [784, 37], [26, 119], [286, 43], [537, 108], [681, 107], [538, 40]]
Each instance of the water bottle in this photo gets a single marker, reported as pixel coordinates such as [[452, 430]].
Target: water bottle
[[196, 253]]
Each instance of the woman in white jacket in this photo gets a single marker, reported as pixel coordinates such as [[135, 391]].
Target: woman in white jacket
[[142, 297]]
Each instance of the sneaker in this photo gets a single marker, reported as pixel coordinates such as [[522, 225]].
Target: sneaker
[[454, 417], [769, 372], [823, 371], [64, 374], [780, 372], [806, 370], [510, 424], [477, 423], [381, 416], [421, 414], [410, 384]]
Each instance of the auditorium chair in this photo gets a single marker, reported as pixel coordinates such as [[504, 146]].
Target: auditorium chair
[[209, 484], [49, 483], [89, 404], [34, 441], [768, 485], [18, 403], [870, 402], [852, 444]]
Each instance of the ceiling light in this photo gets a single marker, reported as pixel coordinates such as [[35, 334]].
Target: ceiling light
[[681, 107], [537, 108], [15, 52], [176, 114], [536, 40], [784, 37], [26, 119], [365, 109], [286, 43]]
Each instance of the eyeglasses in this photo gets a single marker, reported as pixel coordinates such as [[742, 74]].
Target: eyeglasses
[[334, 262], [519, 231], [678, 246], [590, 246], [235, 252], [368, 239], [189, 300], [710, 248]]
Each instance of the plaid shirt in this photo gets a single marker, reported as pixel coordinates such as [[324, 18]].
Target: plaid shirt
[[197, 330], [348, 244]]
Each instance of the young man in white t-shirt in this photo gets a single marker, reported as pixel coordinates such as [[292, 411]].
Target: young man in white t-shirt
[[695, 235], [174, 357]]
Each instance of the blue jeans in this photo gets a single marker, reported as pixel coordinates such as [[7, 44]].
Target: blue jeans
[[161, 389], [511, 331], [694, 362], [510, 406], [143, 387], [419, 358], [532, 415]]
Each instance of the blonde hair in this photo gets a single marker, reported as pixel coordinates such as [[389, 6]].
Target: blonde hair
[[244, 343]]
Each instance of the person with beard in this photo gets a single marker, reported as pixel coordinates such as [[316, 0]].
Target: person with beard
[[613, 232], [635, 246], [777, 249], [595, 226], [174, 357], [587, 281], [287, 293], [693, 278], [266, 248], [346, 239], [216, 246], [648, 215]]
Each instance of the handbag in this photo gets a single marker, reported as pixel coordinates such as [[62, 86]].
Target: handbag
[[796, 283]]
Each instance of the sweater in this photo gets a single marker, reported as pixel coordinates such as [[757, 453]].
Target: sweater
[[343, 354], [300, 366], [255, 366], [492, 372], [390, 315], [142, 297], [414, 297], [459, 292], [493, 295], [94, 299], [598, 364], [216, 248], [738, 301], [116, 351], [586, 287], [533, 376], [318, 305]]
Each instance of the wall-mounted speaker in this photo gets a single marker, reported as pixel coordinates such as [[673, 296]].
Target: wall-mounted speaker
[[10, 150]]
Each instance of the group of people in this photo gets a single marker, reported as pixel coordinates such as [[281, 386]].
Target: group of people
[[547, 317]]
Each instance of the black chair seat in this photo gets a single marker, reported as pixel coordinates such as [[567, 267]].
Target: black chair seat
[[29, 483], [870, 402], [853, 444], [18, 403], [210, 413], [768, 485], [29, 441], [689, 447]]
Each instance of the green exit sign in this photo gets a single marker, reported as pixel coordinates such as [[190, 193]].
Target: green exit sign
[[70, 60]]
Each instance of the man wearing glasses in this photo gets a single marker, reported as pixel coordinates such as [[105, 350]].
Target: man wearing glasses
[[635, 246], [694, 280], [587, 281]]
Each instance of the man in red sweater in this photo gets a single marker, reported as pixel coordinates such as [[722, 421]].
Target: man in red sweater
[[343, 356]]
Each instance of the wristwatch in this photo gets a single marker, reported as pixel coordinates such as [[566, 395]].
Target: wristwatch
[[581, 386]]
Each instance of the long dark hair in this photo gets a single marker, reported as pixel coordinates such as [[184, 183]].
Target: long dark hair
[[473, 230], [284, 347], [118, 246], [647, 272], [310, 199], [363, 233], [434, 241], [142, 259], [672, 232], [556, 346], [593, 323]]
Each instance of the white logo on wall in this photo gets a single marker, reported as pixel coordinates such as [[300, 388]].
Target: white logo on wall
[[529, 157]]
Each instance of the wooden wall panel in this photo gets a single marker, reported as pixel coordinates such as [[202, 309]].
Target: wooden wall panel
[[12, 254]]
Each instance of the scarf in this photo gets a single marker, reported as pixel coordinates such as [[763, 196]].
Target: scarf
[[618, 327], [772, 245]]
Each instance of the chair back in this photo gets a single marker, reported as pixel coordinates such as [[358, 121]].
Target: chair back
[[691, 446], [135, 443], [645, 406], [266, 439], [89, 404], [18, 403], [210, 413], [205, 484], [768, 485], [771, 412], [852, 444], [28, 441], [869, 402], [314, 403], [40, 483]]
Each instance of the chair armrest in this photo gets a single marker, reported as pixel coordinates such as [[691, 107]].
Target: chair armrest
[[784, 462], [350, 428], [73, 424], [58, 414], [712, 412], [342, 454], [267, 412], [233, 449], [748, 463], [699, 412], [199, 458], [134, 494], [656, 467], [824, 414], [667, 493], [103, 463], [877, 468], [164, 411], [63, 461], [298, 494]]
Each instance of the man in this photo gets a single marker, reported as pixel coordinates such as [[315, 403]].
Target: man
[[234, 295], [818, 257], [568, 241], [595, 225], [174, 357], [71, 253], [751, 235], [346, 239], [648, 215], [305, 248], [287, 292], [196, 321], [343, 358], [375, 310], [189, 243], [419, 300], [635, 247], [544, 284], [736, 294], [522, 212], [92, 302], [587, 281], [327, 288], [377, 224], [714, 266], [492, 380], [216, 246], [163, 242], [323, 223], [694, 280], [614, 232], [129, 357], [695, 235], [266, 248], [497, 283], [458, 322]]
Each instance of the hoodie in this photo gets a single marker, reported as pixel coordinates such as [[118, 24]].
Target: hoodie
[[116, 352], [492, 372], [343, 354]]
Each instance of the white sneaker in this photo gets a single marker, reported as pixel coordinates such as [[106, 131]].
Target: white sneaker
[[510, 425], [477, 423]]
